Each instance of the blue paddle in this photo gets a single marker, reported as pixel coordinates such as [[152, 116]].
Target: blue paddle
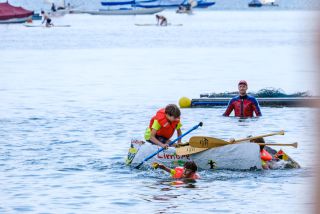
[[170, 144]]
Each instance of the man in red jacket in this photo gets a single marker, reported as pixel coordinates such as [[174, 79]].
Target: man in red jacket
[[243, 104], [163, 125]]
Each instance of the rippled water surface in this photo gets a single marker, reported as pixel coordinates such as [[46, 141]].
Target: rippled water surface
[[72, 99]]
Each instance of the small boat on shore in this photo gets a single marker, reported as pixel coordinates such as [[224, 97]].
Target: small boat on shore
[[242, 156], [10, 14]]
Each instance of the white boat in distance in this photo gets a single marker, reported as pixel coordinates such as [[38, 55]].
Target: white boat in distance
[[129, 11], [269, 3], [260, 3], [60, 8]]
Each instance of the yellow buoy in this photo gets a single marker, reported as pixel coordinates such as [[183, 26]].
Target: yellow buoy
[[184, 102]]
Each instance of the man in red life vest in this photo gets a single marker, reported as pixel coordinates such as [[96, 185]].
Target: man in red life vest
[[188, 171], [243, 104], [163, 125]]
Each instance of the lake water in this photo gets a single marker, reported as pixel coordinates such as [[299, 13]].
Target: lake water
[[73, 98]]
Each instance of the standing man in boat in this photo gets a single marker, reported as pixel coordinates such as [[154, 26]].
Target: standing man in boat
[[243, 104], [163, 125], [53, 7]]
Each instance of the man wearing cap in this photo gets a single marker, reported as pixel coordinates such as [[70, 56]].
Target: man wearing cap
[[243, 104]]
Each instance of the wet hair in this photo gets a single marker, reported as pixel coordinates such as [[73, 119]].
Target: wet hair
[[259, 140], [172, 110], [191, 165]]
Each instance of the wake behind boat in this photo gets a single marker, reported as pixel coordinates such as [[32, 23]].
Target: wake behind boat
[[242, 156]]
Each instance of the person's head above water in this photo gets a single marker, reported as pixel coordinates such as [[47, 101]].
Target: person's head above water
[[242, 87], [190, 167]]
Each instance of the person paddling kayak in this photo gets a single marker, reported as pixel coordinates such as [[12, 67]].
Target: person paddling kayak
[[188, 171], [163, 125], [243, 104]]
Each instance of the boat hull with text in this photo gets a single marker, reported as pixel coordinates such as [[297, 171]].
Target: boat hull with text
[[241, 156]]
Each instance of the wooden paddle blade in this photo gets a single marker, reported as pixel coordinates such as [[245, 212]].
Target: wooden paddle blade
[[188, 150], [206, 142]]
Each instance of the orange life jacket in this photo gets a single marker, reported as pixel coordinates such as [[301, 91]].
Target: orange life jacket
[[265, 156], [178, 173], [167, 128]]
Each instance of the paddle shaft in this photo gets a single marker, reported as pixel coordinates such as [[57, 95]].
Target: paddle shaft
[[196, 148], [261, 136], [170, 144], [209, 142], [295, 145], [189, 150]]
